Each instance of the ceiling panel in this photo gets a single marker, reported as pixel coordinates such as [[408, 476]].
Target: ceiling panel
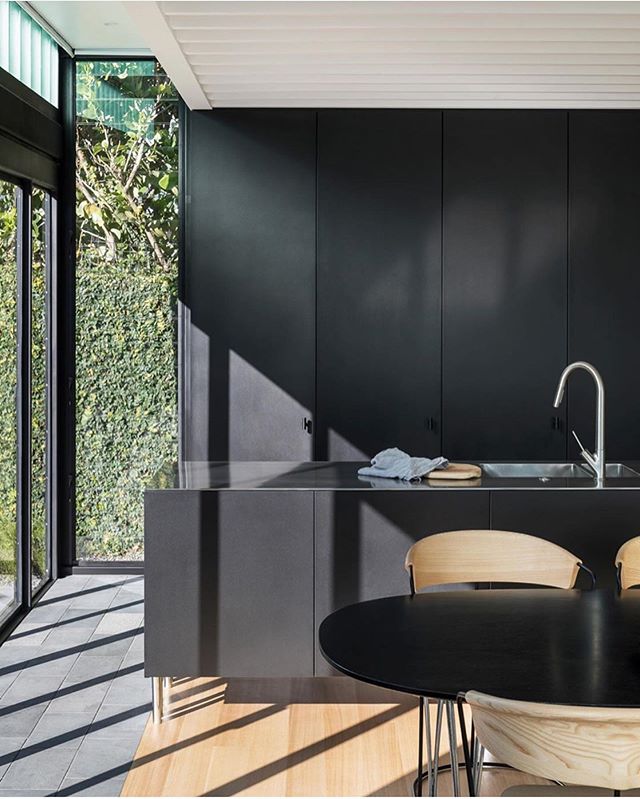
[[92, 26], [397, 54]]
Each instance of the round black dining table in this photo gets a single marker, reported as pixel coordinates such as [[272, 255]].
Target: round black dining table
[[539, 645]]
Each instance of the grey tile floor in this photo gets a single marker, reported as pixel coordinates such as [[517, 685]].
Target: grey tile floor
[[73, 698]]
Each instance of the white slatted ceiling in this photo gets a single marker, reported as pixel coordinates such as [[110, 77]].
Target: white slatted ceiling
[[406, 54]]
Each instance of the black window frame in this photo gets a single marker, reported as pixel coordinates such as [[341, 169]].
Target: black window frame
[[27, 596], [38, 149], [68, 561], [31, 156]]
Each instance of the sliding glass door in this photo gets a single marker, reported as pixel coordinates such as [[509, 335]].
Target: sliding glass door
[[25, 386], [10, 204], [32, 167]]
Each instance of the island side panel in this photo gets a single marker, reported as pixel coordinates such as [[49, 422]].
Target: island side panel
[[229, 583], [591, 524], [362, 539]]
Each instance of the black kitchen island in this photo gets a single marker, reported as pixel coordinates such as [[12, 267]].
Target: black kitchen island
[[244, 560]]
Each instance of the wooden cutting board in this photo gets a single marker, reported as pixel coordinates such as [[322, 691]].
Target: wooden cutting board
[[456, 471]]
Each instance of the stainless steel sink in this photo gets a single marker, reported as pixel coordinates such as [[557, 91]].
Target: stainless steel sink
[[562, 471], [527, 470], [619, 470]]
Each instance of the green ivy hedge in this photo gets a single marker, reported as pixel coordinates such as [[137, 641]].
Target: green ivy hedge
[[126, 420], [8, 374]]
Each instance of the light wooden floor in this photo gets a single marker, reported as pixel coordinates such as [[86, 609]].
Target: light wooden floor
[[300, 737]]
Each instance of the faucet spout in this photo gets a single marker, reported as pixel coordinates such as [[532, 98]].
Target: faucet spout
[[597, 460], [560, 390]]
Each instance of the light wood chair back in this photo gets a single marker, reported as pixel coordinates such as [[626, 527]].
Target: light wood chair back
[[593, 746], [488, 556], [628, 563]]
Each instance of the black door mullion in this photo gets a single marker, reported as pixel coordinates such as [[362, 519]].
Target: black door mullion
[[24, 249], [51, 221]]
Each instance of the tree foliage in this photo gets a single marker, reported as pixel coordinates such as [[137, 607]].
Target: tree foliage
[[126, 298]]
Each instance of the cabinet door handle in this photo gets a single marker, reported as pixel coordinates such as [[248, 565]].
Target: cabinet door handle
[[307, 424], [556, 423], [431, 424]]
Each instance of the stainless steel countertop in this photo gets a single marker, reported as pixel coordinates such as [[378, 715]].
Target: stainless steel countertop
[[343, 476]]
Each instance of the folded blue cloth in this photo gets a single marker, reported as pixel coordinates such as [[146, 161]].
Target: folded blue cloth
[[396, 464]]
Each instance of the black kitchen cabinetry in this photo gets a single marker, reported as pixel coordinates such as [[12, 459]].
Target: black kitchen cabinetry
[[379, 282], [238, 581], [604, 278], [591, 524], [361, 541], [230, 577], [433, 270], [504, 283], [249, 285]]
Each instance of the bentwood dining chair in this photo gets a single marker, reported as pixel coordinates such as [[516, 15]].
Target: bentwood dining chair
[[598, 747], [478, 557], [628, 563]]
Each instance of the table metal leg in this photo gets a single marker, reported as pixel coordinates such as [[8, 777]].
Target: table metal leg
[[431, 773], [418, 788], [433, 788], [474, 752], [168, 683], [427, 724], [157, 695], [453, 748], [469, 749]]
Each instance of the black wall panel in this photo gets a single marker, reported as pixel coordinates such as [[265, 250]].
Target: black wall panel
[[250, 284], [604, 274], [504, 275], [379, 282]]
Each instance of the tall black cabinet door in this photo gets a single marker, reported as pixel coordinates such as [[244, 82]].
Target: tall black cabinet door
[[604, 284], [250, 284], [379, 282], [504, 292]]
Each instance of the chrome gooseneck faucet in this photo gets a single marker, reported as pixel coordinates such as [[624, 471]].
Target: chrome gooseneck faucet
[[597, 460]]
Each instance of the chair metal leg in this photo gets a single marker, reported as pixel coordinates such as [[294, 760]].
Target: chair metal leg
[[453, 748], [479, 768], [157, 695], [475, 746]]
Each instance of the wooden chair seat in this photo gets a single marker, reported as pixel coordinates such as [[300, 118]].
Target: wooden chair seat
[[571, 744]]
